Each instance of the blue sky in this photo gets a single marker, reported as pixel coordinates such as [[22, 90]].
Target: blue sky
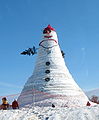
[[21, 25]]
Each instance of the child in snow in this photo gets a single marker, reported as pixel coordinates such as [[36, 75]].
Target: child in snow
[[5, 104], [15, 105]]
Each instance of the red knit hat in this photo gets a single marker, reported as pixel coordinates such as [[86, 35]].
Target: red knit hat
[[49, 28]]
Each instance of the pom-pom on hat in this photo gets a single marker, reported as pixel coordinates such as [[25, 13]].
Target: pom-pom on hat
[[49, 28]]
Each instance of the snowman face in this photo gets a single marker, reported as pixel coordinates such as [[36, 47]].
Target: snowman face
[[49, 39]]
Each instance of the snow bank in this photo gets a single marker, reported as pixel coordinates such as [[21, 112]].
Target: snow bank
[[17, 115], [49, 113]]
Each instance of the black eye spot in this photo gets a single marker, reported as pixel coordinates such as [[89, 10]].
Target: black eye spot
[[46, 31]]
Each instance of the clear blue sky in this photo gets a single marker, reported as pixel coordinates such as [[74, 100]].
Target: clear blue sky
[[21, 25]]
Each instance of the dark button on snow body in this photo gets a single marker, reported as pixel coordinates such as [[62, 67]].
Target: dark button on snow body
[[47, 63], [47, 79], [47, 71]]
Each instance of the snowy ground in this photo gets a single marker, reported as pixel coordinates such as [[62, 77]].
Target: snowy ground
[[49, 113]]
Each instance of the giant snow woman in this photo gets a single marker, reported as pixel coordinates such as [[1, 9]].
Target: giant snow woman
[[51, 82]]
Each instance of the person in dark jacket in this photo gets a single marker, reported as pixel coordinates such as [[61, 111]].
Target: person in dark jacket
[[5, 104], [88, 104], [15, 105]]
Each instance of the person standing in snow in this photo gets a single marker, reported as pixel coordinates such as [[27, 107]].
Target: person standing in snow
[[5, 104], [88, 104], [15, 105]]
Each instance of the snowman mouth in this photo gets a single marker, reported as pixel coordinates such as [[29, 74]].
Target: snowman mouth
[[40, 44]]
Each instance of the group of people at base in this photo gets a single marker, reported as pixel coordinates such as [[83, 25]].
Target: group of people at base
[[5, 105]]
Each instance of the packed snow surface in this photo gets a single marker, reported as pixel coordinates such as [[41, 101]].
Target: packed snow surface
[[49, 113]]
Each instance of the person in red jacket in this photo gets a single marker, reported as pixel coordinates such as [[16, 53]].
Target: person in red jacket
[[15, 105]]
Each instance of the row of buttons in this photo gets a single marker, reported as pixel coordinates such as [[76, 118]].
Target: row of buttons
[[47, 72]]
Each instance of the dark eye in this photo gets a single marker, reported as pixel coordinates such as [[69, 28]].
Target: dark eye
[[46, 31]]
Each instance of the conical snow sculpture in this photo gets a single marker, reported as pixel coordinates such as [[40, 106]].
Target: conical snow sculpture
[[51, 82]]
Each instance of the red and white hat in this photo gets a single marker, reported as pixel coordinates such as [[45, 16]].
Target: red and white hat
[[49, 28]]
